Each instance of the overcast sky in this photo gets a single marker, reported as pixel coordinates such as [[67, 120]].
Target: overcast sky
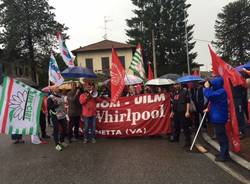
[[85, 20]]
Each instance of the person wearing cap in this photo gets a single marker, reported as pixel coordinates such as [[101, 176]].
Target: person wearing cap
[[218, 114]]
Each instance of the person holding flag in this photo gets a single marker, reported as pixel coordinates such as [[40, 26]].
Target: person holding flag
[[218, 114], [230, 76]]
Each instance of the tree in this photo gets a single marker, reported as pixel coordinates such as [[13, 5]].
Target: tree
[[167, 19], [232, 32], [28, 31]]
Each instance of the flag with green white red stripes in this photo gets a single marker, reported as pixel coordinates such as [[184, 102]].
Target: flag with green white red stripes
[[20, 107], [137, 65]]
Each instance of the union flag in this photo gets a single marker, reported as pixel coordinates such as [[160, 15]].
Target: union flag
[[117, 77], [230, 75]]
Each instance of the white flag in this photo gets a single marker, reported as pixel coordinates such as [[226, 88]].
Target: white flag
[[67, 56], [54, 72], [20, 107]]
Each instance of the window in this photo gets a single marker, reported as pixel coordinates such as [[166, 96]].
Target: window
[[105, 65], [122, 60], [89, 63]]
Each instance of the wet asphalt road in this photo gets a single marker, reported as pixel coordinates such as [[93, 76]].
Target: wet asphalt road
[[118, 161]]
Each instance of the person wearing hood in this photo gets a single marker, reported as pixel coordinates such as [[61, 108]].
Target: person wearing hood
[[218, 114]]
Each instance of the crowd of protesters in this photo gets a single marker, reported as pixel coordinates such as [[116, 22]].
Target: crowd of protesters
[[65, 110]]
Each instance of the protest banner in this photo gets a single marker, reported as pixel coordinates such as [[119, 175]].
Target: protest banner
[[141, 115]]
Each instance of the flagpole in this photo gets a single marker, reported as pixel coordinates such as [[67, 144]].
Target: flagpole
[[186, 40], [198, 130], [48, 69]]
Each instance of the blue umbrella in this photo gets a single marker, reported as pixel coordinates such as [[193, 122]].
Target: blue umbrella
[[246, 66], [189, 78], [78, 72]]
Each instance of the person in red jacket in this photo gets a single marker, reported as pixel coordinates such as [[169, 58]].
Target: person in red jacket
[[88, 101]]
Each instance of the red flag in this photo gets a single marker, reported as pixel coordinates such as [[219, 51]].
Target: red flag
[[117, 77], [150, 73], [220, 67], [228, 73]]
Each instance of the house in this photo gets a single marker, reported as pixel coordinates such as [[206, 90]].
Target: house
[[98, 56]]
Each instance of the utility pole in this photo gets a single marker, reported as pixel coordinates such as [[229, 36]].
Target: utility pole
[[186, 38], [154, 56]]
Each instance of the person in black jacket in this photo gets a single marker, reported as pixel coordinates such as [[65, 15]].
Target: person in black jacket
[[241, 107], [200, 103], [180, 113]]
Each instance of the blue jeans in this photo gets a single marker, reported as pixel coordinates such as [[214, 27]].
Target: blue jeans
[[90, 127], [221, 136]]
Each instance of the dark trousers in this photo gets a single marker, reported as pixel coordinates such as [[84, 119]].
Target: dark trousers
[[43, 124], [180, 121], [90, 127], [240, 115], [197, 119], [221, 136], [56, 123], [49, 119], [16, 137], [74, 122]]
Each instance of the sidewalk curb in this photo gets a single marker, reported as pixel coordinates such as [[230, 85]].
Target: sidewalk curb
[[244, 163]]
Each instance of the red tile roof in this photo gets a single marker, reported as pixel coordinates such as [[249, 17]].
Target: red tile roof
[[104, 45]]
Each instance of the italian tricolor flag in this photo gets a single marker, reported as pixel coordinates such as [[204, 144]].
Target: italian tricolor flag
[[20, 107]]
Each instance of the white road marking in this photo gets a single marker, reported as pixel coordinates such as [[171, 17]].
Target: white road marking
[[230, 171]]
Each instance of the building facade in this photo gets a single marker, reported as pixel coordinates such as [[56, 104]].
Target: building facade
[[98, 56]]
